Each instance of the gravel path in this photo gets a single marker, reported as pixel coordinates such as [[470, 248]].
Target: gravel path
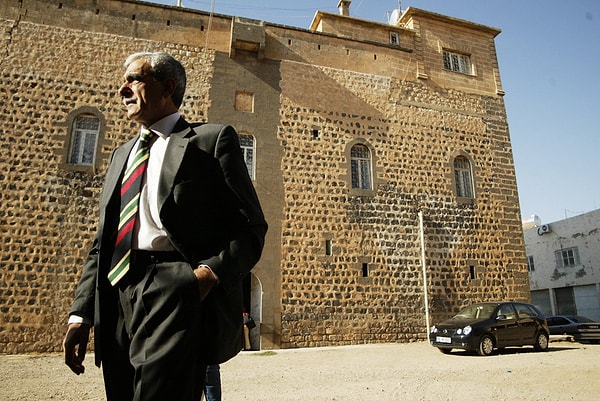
[[382, 372]]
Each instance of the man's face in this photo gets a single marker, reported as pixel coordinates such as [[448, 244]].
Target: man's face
[[146, 100]]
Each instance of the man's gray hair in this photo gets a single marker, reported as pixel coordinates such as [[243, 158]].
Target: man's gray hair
[[163, 66]]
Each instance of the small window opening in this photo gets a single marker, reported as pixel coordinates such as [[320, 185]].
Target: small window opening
[[365, 270], [530, 264], [133, 17], [472, 272], [168, 22], [328, 250], [315, 133], [289, 42]]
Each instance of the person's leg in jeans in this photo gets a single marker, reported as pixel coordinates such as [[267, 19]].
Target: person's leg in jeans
[[212, 387]]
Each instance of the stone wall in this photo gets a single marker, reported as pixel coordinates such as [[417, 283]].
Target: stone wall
[[327, 300], [340, 266], [49, 211]]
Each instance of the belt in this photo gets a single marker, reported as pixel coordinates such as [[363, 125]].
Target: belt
[[145, 258]]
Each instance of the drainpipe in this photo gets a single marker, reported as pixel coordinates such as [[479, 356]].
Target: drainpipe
[[423, 262]]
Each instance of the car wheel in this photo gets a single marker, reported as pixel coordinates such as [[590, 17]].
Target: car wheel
[[541, 342], [445, 350], [486, 345]]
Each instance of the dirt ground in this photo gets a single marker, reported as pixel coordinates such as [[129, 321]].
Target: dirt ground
[[383, 372]]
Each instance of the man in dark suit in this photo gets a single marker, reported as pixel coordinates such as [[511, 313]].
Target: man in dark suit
[[171, 302]]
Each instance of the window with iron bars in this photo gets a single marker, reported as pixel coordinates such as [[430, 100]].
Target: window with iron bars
[[84, 140], [463, 177], [247, 145], [457, 62], [361, 167]]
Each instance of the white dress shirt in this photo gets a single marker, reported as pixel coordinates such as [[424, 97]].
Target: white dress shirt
[[149, 232]]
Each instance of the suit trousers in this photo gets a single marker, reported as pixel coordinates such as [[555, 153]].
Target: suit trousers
[[155, 355]]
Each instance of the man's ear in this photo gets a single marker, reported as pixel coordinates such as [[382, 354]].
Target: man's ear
[[169, 87]]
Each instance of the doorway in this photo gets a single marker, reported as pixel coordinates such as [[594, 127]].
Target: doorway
[[252, 288]]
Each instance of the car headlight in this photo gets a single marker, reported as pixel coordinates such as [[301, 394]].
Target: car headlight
[[467, 330], [434, 329]]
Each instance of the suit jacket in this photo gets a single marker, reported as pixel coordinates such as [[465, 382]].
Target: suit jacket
[[212, 215]]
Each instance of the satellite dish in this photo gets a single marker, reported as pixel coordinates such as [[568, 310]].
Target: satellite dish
[[394, 17]]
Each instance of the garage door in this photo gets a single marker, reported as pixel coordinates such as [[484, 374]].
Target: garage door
[[586, 299]]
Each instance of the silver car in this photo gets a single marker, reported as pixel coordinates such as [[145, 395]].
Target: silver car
[[581, 328]]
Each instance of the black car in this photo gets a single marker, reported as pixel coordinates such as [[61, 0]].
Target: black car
[[487, 326], [582, 329]]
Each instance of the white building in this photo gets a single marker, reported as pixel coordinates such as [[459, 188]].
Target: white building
[[564, 265]]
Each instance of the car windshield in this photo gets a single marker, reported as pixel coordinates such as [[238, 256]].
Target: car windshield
[[480, 311]]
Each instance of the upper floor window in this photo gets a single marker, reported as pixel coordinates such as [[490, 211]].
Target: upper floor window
[[247, 145], [457, 62], [84, 140], [394, 38], [463, 177], [567, 257], [360, 160]]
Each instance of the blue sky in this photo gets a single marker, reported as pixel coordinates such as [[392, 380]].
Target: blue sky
[[549, 63]]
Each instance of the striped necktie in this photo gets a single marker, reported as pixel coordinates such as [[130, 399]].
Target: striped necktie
[[130, 194]]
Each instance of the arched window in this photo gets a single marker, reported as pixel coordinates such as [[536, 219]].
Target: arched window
[[84, 140], [360, 159], [464, 177], [247, 145]]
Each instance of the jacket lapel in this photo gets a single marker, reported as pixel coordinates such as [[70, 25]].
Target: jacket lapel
[[178, 142]]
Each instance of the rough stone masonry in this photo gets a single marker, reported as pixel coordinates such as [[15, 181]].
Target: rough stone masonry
[[342, 263]]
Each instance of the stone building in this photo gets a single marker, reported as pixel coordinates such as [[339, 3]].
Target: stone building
[[353, 129]]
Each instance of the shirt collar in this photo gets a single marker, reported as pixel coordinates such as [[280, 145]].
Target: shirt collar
[[164, 126]]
